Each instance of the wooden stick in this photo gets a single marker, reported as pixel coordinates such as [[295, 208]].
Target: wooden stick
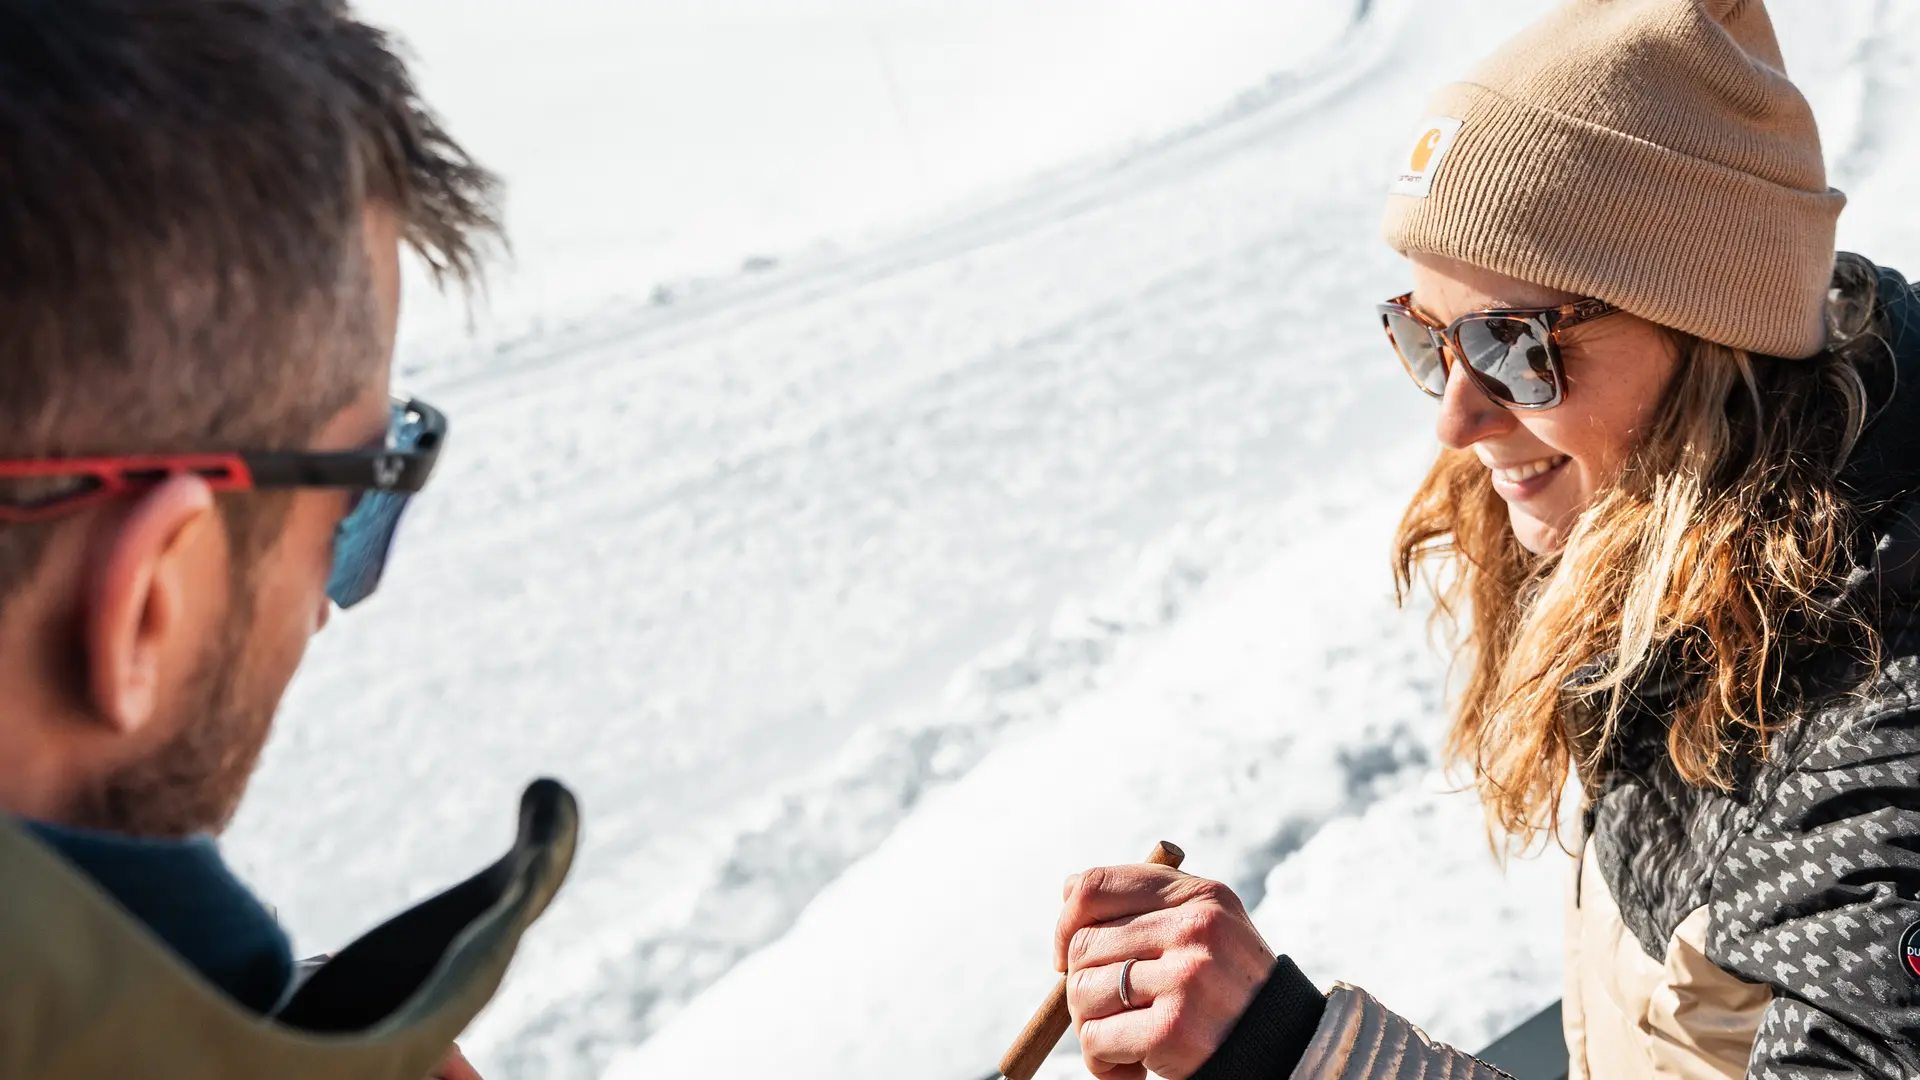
[[1050, 1023]]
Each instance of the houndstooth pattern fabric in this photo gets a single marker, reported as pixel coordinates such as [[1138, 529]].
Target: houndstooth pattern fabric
[[1810, 870], [1656, 838], [1813, 896], [1810, 866]]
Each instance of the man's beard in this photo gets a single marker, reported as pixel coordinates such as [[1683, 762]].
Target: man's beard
[[193, 783]]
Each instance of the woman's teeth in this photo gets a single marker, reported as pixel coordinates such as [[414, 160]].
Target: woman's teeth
[[1520, 474]]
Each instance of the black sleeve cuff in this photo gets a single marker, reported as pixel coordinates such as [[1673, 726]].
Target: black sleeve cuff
[[1271, 1036]]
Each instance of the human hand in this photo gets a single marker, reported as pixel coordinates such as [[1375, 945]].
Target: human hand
[[1198, 962], [455, 1067]]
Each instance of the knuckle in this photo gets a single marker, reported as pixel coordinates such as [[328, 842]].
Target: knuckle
[[1211, 915], [1093, 1036], [1078, 947], [1180, 1039], [1092, 883], [1172, 1016], [1214, 894], [1080, 990], [1201, 923], [1189, 968], [1074, 911]]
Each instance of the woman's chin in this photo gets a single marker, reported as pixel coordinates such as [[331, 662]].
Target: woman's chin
[[1535, 534]]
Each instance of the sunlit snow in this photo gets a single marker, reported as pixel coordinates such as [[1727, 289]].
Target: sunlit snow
[[923, 448]]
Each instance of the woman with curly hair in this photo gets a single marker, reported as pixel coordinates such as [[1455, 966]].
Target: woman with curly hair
[[1675, 528]]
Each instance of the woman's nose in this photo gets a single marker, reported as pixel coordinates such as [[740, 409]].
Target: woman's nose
[[1467, 414]]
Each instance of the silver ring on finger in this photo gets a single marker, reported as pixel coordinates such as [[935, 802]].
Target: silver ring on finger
[[1126, 985]]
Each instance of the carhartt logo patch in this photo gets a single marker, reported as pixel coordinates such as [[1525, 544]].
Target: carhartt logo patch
[[1431, 141], [1910, 951], [1423, 150]]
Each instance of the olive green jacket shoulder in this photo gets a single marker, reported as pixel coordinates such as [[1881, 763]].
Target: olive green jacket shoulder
[[86, 991]]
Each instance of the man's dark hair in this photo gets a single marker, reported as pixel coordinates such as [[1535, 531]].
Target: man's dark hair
[[182, 189]]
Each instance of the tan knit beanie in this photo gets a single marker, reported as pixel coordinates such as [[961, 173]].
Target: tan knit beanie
[[1651, 153]]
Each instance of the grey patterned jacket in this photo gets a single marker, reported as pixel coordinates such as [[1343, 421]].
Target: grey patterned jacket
[[1770, 932]]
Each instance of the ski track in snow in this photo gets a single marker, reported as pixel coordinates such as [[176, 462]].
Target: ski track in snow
[[807, 837], [1112, 460], [1199, 740]]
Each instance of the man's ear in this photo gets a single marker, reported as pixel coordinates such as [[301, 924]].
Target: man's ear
[[145, 580]]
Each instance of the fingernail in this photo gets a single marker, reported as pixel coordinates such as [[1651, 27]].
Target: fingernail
[[1067, 889]]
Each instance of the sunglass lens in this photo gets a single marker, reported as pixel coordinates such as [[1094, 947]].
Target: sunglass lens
[[365, 536], [1511, 359], [360, 548], [1414, 342]]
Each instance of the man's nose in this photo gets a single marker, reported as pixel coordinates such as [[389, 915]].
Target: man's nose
[[1467, 414]]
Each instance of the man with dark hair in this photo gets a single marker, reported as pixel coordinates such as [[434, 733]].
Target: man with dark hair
[[201, 209]]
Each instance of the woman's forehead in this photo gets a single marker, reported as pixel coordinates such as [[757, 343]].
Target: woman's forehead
[[1445, 288]]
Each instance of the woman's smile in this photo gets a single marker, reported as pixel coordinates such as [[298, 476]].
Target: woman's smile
[[1522, 481]]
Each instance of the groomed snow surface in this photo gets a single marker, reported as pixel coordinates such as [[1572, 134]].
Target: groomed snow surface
[[867, 589]]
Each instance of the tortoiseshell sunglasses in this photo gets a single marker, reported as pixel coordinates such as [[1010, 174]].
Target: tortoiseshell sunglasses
[[1511, 354]]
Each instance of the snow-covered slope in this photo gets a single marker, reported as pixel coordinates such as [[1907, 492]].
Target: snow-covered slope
[[1293, 758], [864, 595], [649, 140]]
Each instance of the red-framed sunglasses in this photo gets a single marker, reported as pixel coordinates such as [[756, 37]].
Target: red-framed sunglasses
[[1511, 354], [385, 478]]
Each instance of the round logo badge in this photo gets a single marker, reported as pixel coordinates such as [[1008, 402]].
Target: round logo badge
[[1910, 950]]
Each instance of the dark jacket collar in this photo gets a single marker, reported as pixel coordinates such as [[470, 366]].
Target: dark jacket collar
[[1884, 474], [1885, 466], [182, 891]]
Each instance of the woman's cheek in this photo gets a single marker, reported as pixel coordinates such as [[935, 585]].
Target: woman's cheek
[[1599, 428]]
